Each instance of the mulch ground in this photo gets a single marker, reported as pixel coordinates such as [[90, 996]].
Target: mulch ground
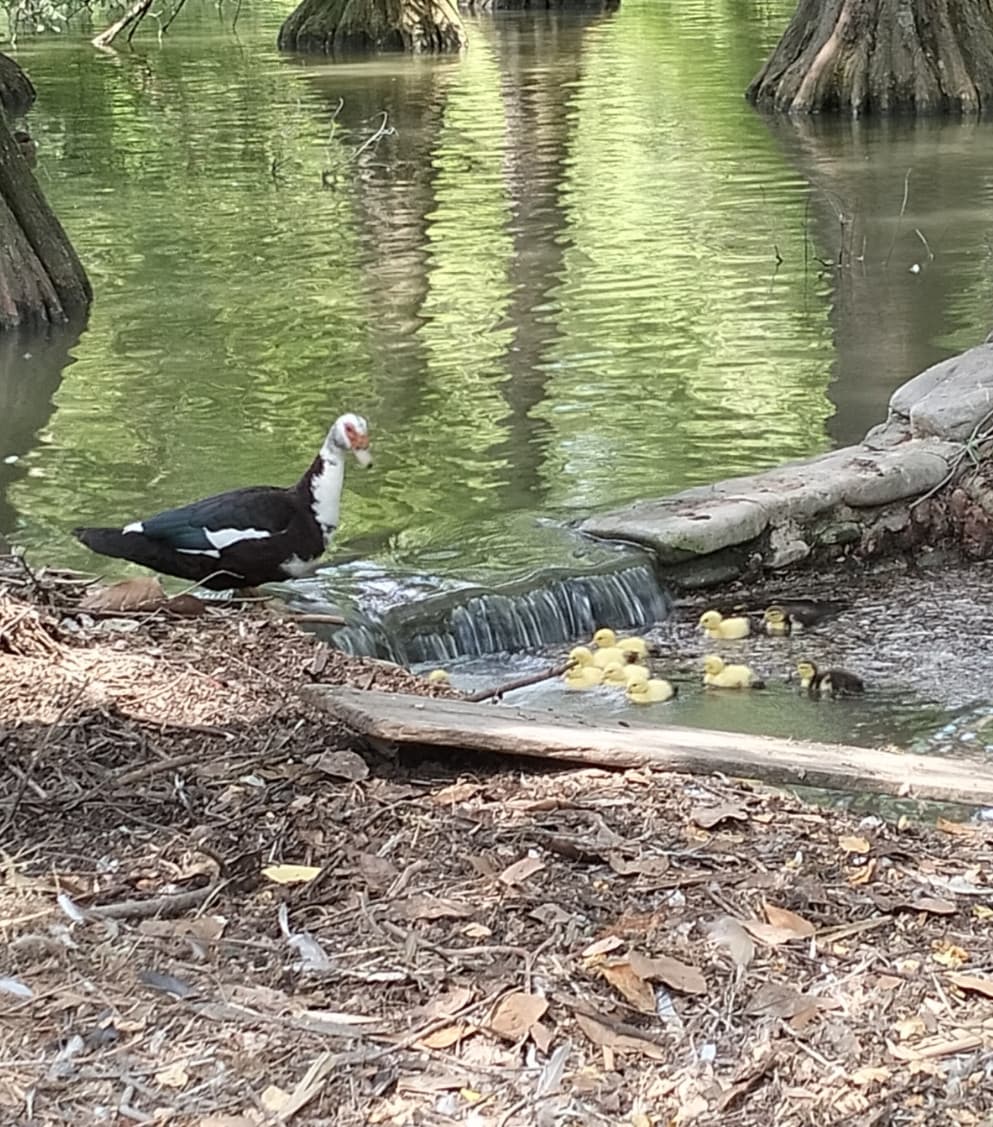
[[219, 910]]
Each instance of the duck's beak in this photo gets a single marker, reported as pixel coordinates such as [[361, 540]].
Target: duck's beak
[[360, 448]]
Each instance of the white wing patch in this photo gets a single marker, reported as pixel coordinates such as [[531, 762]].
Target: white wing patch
[[225, 537], [134, 526], [212, 552]]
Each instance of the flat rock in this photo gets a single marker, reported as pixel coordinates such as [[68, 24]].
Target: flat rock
[[700, 521], [949, 399]]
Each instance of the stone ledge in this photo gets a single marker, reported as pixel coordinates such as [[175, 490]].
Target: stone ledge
[[854, 499]]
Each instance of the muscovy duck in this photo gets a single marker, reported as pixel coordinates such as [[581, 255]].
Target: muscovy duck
[[245, 537]]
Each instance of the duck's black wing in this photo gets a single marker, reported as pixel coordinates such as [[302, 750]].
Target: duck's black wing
[[241, 534]]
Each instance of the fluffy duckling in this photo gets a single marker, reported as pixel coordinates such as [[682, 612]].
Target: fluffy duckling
[[609, 656], [717, 675], [607, 639], [777, 623], [832, 682], [438, 677], [622, 675], [581, 655], [652, 691], [582, 677], [715, 625]]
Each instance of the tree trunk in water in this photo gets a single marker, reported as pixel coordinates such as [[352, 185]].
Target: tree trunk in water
[[373, 25], [16, 91], [41, 279], [531, 5], [881, 56]]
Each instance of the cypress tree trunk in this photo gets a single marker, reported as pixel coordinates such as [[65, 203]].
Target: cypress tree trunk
[[881, 56], [373, 25], [41, 279]]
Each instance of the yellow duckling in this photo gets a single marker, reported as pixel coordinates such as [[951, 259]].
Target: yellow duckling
[[832, 682], [581, 655], [621, 675], [717, 675], [609, 656], [438, 677], [582, 677], [652, 691], [607, 639], [715, 625]]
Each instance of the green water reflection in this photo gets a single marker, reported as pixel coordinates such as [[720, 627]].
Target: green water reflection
[[552, 288]]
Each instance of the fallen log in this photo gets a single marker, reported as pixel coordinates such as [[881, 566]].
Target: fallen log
[[400, 718]]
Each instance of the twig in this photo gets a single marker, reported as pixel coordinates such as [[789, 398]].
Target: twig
[[140, 773], [384, 130], [520, 683], [327, 619], [927, 246], [133, 16], [899, 222], [162, 906], [172, 15]]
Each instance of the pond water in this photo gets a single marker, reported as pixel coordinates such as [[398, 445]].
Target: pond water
[[575, 268]]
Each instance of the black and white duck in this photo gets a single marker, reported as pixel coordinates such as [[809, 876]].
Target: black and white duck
[[245, 537]]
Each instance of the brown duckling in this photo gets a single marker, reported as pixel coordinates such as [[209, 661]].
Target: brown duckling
[[830, 682]]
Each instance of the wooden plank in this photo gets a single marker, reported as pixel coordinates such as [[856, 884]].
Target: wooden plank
[[404, 719]]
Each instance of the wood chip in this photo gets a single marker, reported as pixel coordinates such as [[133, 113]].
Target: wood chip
[[515, 1014]]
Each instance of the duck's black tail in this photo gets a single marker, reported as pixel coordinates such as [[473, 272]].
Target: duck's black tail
[[138, 549], [109, 542]]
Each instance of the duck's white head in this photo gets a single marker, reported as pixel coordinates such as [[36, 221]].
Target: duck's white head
[[348, 432]]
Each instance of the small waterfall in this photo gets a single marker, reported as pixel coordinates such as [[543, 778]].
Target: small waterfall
[[472, 622]]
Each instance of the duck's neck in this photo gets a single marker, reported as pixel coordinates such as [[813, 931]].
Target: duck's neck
[[320, 489]]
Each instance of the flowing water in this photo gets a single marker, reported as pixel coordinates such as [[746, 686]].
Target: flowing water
[[569, 269]]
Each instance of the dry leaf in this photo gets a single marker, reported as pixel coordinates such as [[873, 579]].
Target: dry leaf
[[426, 907], [603, 1036], [477, 931], [776, 999], [933, 904], [676, 975], [207, 928], [629, 984], [449, 1002], [639, 867], [446, 1036], [706, 817], [729, 933], [228, 1121], [186, 606], [379, 872], [454, 792], [949, 955], [958, 828], [788, 921], [515, 1013], [602, 946], [290, 874], [972, 982], [542, 1036], [863, 1077], [854, 844], [863, 874], [173, 1076], [520, 870], [768, 933], [144, 592], [340, 765], [274, 1098]]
